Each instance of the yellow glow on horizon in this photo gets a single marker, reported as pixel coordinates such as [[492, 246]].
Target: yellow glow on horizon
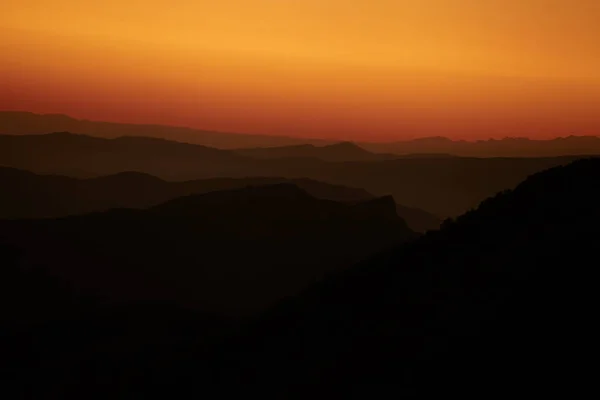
[[336, 68]]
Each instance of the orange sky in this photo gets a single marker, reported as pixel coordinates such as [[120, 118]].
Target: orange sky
[[355, 70]]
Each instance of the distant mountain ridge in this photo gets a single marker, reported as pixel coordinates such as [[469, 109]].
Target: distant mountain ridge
[[338, 152], [27, 195], [85, 156], [507, 147], [501, 300], [441, 185], [27, 123], [276, 202], [231, 252]]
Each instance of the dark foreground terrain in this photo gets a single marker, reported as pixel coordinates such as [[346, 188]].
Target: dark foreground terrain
[[230, 253], [499, 302]]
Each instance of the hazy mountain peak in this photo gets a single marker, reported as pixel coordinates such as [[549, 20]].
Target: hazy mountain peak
[[346, 145], [265, 197], [384, 206], [66, 135], [134, 177], [351, 149], [283, 189], [63, 133]]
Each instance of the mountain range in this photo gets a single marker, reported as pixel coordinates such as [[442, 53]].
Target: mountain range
[[230, 252], [26, 123], [338, 152], [441, 185], [27, 195], [499, 301], [507, 147]]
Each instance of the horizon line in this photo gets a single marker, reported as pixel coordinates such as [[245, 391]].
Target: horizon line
[[331, 141]]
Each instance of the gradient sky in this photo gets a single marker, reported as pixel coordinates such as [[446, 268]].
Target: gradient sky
[[347, 69]]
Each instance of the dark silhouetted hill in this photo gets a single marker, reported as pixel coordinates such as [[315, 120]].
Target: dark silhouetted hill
[[113, 295], [499, 301], [228, 252], [339, 152], [85, 156], [444, 186], [51, 333], [27, 195]]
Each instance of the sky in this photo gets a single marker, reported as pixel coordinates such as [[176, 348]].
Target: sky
[[338, 69]]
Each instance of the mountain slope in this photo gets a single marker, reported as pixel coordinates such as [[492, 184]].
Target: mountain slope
[[79, 155], [27, 195], [228, 252], [444, 186], [51, 333], [498, 301], [339, 152]]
